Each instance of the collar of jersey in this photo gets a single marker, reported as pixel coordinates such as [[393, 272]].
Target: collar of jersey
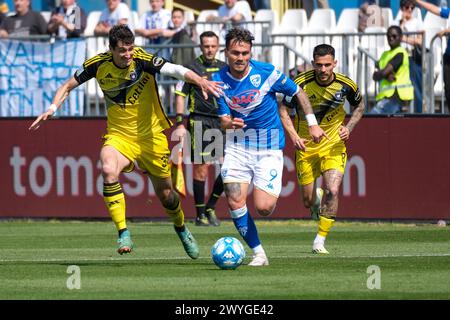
[[242, 79]]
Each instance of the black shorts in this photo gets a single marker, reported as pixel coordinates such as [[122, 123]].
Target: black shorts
[[207, 139]]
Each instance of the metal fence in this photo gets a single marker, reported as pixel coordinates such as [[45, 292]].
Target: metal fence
[[356, 54]]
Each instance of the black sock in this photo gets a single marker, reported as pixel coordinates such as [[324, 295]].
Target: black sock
[[216, 192], [179, 229], [199, 197]]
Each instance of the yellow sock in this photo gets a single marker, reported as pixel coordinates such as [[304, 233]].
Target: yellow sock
[[115, 203], [177, 215], [325, 225]]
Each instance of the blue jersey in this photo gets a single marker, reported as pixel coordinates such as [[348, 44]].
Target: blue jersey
[[253, 98]]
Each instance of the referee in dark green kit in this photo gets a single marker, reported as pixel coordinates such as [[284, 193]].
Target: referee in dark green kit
[[202, 116]]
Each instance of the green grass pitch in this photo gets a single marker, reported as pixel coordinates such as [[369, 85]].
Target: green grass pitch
[[413, 261]]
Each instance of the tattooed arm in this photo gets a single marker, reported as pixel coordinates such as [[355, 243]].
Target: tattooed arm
[[344, 131]]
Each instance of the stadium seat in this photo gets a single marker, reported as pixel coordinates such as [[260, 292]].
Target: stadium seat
[[264, 22], [290, 37], [388, 17], [322, 19], [46, 15], [433, 21], [348, 20], [94, 46], [293, 19], [375, 42], [92, 20], [292, 23], [311, 37], [347, 52]]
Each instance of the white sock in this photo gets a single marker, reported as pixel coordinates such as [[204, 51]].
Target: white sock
[[319, 240], [258, 249]]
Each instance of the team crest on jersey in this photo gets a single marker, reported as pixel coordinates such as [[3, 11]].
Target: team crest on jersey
[[255, 80], [79, 72], [157, 61], [339, 95], [133, 76]]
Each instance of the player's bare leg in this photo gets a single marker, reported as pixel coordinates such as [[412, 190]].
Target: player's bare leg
[[312, 199], [332, 182], [113, 162], [172, 205]]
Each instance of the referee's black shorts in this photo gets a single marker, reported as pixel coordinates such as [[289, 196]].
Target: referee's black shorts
[[203, 149]]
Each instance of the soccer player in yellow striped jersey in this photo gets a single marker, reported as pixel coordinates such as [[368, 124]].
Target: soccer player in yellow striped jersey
[[327, 92], [135, 124]]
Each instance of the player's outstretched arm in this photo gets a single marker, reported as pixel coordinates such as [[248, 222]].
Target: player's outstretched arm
[[315, 130], [429, 7], [299, 143], [61, 94], [185, 74], [207, 86], [344, 131]]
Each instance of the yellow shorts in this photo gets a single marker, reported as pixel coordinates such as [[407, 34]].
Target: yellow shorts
[[152, 155], [311, 167]]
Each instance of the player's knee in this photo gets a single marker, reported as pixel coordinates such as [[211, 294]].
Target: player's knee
[[168, 198], [109, 174], [332, 192], [265, 211]]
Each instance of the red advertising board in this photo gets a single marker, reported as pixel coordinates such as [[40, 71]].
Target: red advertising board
[[398, 168]]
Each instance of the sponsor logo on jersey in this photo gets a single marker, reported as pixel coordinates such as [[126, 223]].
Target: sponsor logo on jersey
[[255, 80], [245, 97]]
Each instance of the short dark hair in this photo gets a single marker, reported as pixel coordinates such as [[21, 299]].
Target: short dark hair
[[208, 34], [178, 9], [120, 33], [407, 3], [239, 35], [323, 50], [397, 28]]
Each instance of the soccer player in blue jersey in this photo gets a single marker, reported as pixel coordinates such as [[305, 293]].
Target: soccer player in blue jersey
[[248, 111]]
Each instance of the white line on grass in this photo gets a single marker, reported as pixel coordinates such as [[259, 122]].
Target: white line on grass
[[121, 259]]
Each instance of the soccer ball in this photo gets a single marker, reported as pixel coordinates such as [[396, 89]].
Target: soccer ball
[[228, 253]]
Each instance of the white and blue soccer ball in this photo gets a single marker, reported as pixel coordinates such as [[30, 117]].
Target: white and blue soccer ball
[[228, 253]]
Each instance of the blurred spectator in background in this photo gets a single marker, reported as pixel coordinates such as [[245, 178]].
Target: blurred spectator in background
[[68, 20], [369, 15], [2, 16], [180, 33], [24, 23], [396, 90], [261, 4], [116, 13], [233, 11], [153, 24], [3, 7], [308, 5], [444, 13], [413, 44]]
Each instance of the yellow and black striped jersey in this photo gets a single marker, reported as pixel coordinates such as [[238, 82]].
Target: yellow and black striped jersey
[[134, 109], [328, 107]]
